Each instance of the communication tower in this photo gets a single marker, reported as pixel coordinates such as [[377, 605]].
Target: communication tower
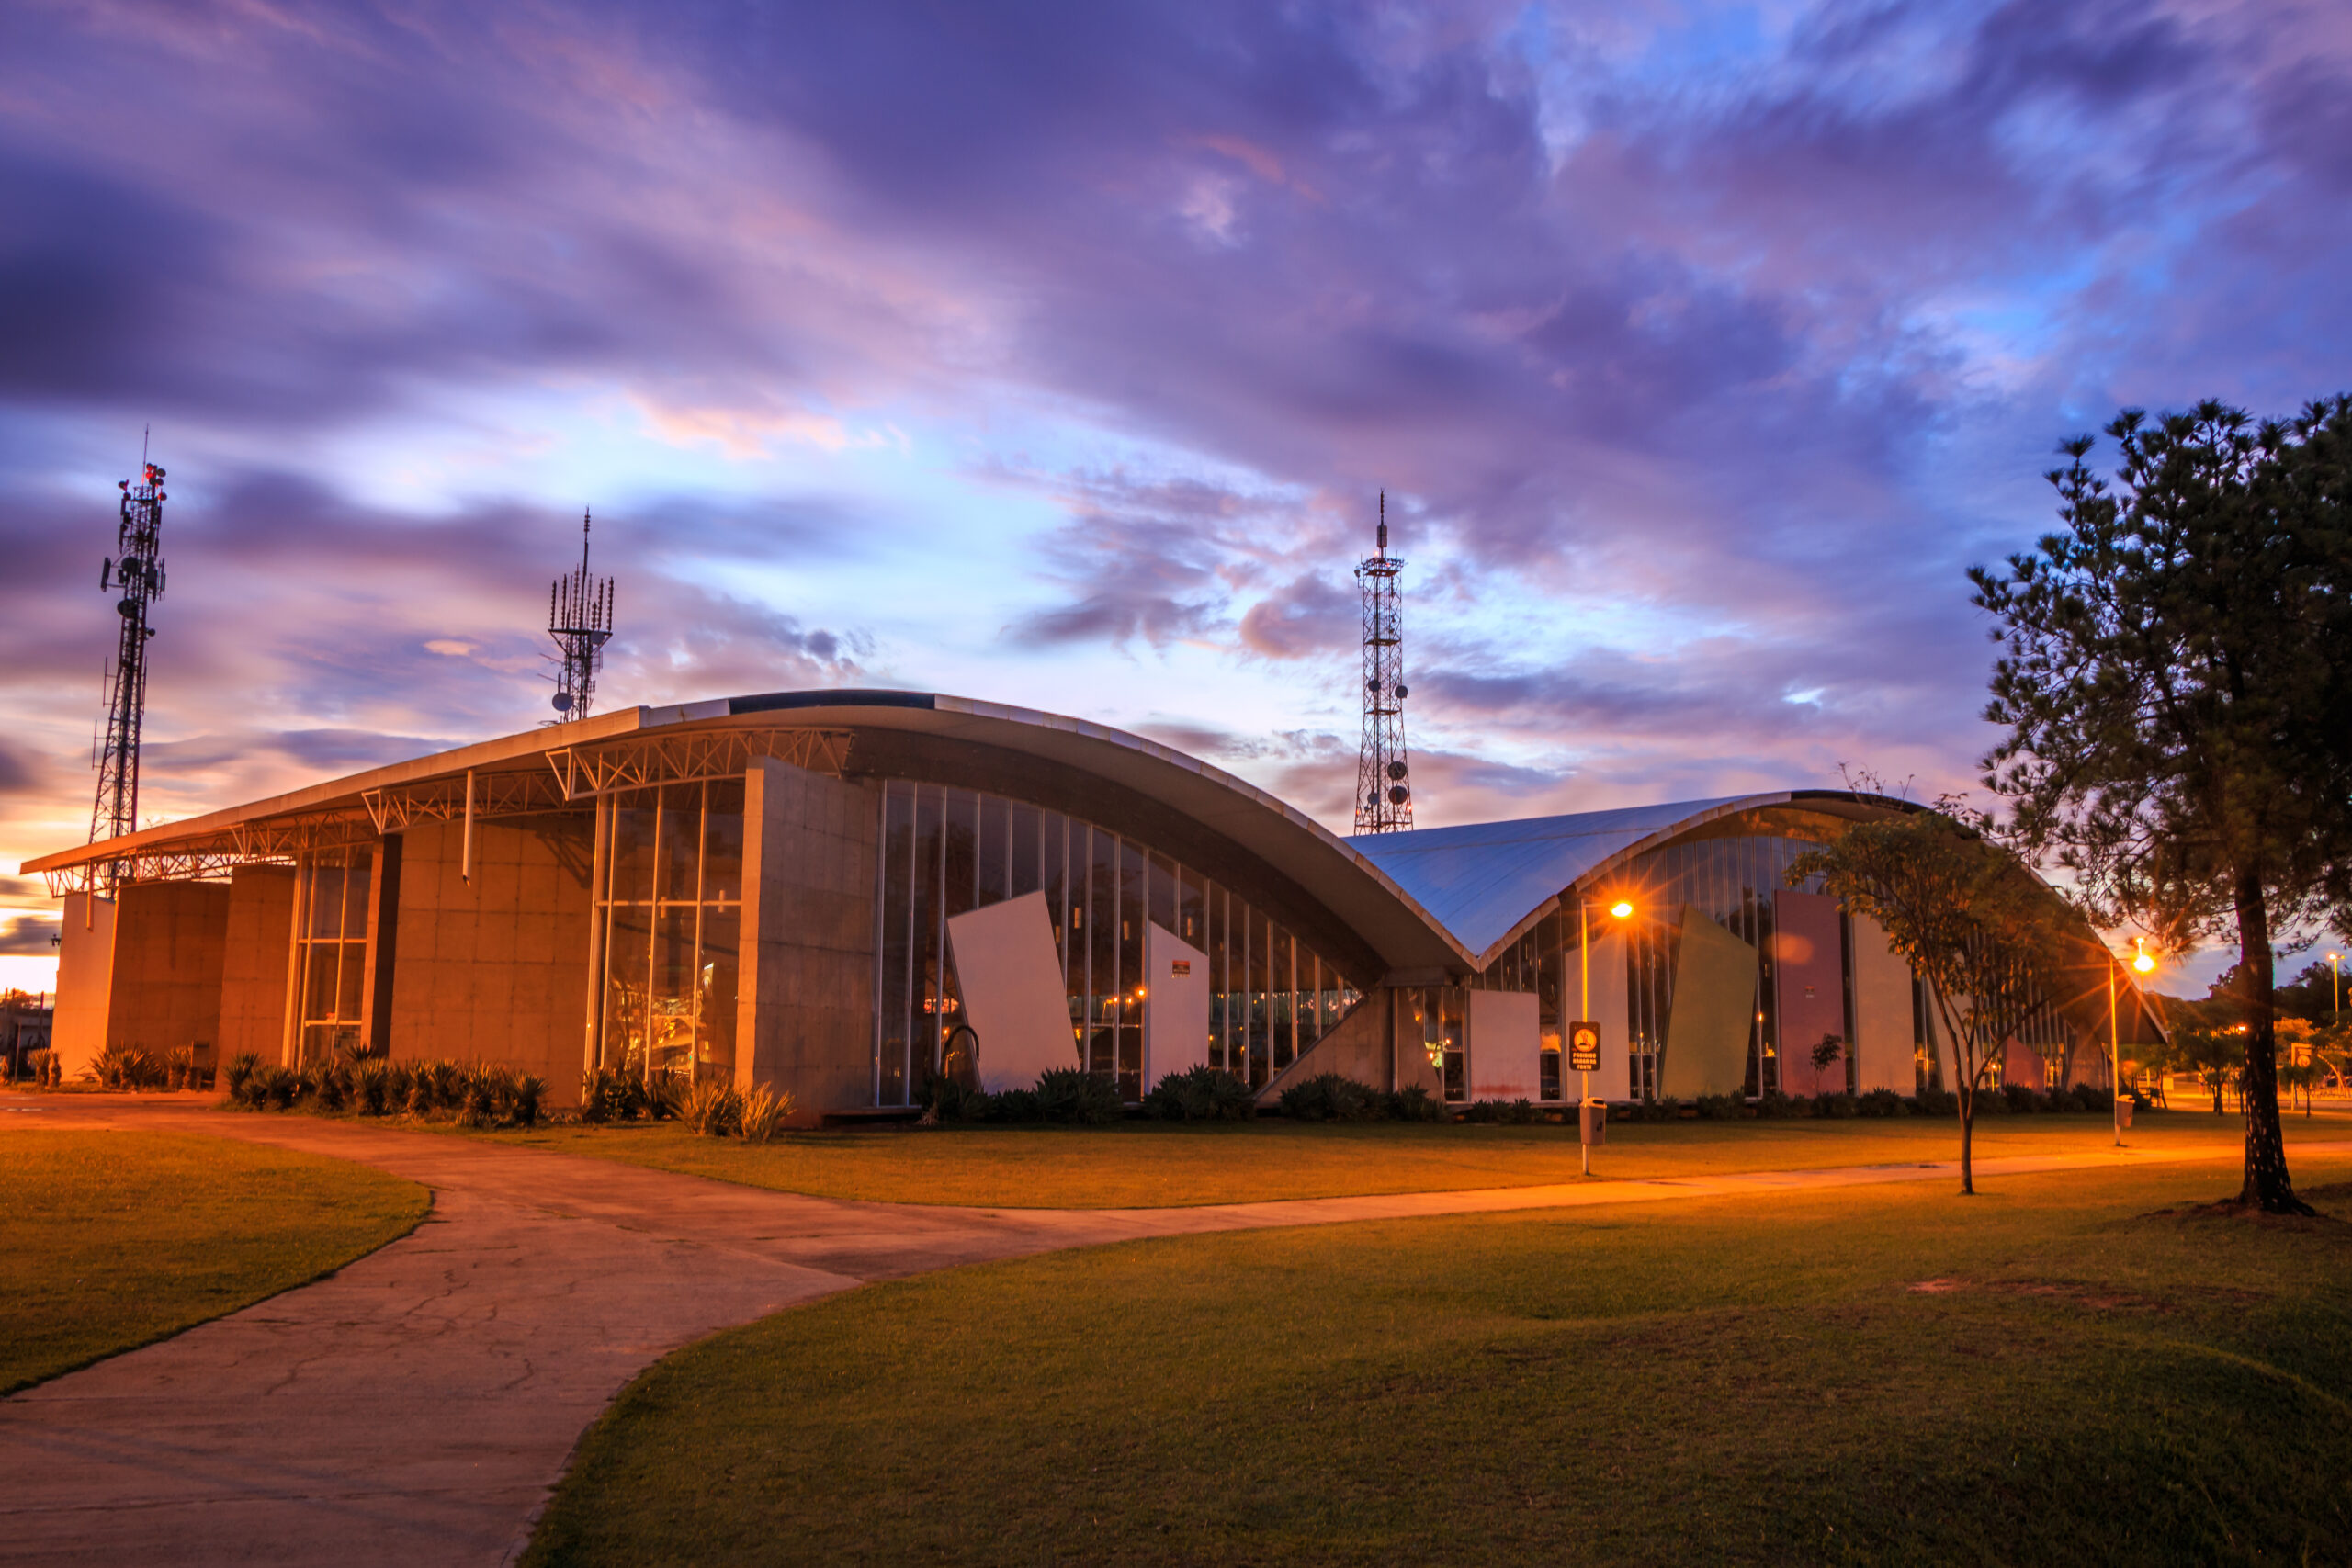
[[580, 619], [137, 574], [1384, 781]]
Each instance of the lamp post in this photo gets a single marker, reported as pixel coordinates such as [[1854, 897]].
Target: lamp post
[[2143, 962], [1621, 909], [2336, 975]]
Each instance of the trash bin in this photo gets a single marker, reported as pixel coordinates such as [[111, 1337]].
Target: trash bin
[[1593, 1122], [2123, 1104]]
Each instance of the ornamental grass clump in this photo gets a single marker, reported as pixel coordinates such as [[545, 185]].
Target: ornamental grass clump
[[711, 1109], [761, 1112]]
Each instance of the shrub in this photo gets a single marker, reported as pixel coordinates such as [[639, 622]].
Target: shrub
[[329, 1085], [761, 1112], [1014, 1105], [126, 1068], [2021, 1098], [665, 1096], [179, 1067], [606, 1095], [1071, 1094], [1883, 1102], [370, 1086], [433, 1086], [1201, 1094], [948, 1098], [1415, 1103], [1933, 1102], [1332, 1096], [2092, 1099], [1781, 1106], [1837, 1106], [45, 1068], [1720, 1107]]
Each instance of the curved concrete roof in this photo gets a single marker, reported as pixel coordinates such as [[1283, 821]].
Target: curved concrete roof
[[1413, 906]]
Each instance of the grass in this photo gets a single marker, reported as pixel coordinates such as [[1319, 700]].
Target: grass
[[114, 1239], [1152, 1164], [2074, 1368]]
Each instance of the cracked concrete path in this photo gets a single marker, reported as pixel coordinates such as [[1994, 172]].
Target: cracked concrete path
[[417, 1406]]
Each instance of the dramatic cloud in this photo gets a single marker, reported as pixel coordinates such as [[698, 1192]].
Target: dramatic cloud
[[1698, 349]]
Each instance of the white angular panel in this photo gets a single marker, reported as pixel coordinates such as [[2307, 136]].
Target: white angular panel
[[1175, 1005], [1884, 1042], [1010, 975], [1506, 1039]]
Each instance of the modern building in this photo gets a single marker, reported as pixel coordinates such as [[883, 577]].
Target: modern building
[[817, 890]]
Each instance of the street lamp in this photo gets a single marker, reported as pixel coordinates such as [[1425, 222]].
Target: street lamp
[[2336, 975], [1621, 910], [2141, 961]]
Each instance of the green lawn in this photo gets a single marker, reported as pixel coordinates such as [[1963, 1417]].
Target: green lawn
[[2077, 1368], [1150, 1163], [113, 1239]]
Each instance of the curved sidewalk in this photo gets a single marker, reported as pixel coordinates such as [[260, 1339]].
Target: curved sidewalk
[[417, 1407]]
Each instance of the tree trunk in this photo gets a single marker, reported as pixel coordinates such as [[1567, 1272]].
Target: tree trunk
[[2267, 1181], [1967, 1129]]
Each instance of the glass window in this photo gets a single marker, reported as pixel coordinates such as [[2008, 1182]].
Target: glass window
[[671, 967]]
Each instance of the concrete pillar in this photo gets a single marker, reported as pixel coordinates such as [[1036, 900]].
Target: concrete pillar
[[811, 865], [253, 962], [84, 982]]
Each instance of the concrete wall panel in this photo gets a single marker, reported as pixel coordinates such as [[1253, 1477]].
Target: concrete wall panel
[[254, 961], [496, 969], [1175, 1004], [810, 865], [170, 939], [1883, 1050], [1715, 1008], [1010, 976], [1362, 1046], [1505, 1041]]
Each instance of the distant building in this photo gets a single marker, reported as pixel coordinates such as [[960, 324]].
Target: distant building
[[24, 1029], [818, 890]]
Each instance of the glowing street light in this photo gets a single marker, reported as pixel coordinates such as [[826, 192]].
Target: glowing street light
[[1587, 1058], [2142, 960], [2336, 974]]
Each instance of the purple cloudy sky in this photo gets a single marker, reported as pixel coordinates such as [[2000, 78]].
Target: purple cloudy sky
[[1054, 353]]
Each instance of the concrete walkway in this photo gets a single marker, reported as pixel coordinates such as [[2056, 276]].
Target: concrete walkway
[[417, 1407]]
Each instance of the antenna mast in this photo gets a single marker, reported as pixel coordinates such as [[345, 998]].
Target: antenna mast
[[1383, 784], [138, 575], [580, 619]]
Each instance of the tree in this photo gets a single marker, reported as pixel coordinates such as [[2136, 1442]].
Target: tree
[[1972, 922], [2174, 677]]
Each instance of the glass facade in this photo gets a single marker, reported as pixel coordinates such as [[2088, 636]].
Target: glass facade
[[1732, 880], [947, 850], [331, 951], [671, 896]]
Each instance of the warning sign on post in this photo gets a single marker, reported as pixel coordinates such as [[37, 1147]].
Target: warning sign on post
[[1584, 1047]]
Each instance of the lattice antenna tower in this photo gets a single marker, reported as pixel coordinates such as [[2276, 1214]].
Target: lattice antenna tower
[[1384, 777], [136, 573], [580, 620]]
